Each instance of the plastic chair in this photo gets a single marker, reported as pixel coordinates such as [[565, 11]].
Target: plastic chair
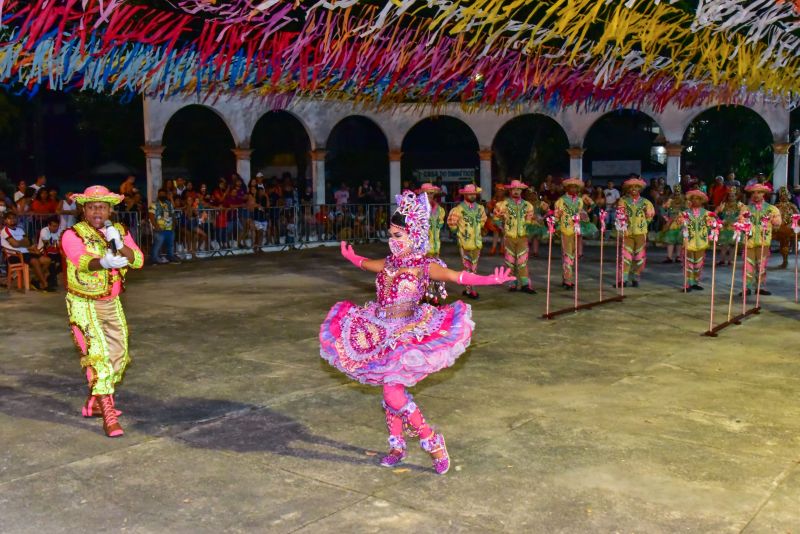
[[20, 270]]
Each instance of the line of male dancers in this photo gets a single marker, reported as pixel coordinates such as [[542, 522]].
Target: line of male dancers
[[520, 221]]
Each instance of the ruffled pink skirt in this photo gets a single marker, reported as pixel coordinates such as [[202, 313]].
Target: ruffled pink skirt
[[377, 351]]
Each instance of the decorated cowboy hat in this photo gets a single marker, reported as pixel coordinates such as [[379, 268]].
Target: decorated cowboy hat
[[573, 181], [697, 193], [516, 184], [97, 193], [634, 182], [758, 187], [470, 189], [429, 188]]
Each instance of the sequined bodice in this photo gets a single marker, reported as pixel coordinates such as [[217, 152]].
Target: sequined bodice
[[401, 285]]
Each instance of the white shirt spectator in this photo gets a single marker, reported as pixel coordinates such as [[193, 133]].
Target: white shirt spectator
[[341, 196], [48, 241], [67, 221], [17, 234], [18, 195], [612, 195]]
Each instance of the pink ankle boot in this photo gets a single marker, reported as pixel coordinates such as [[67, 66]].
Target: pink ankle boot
[[397, 452], [432, 445]]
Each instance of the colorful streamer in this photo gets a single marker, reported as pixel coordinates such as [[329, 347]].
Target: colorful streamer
[[482, 53]]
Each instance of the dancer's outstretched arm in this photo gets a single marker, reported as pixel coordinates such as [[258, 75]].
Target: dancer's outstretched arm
[[465, 278], [361, 262]]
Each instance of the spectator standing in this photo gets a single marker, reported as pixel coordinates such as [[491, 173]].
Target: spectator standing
[[20, 192], [42, 204], [180, 185], [342, 195], [40, 183], [718, 192], [549, 190], [128, 187], [68, 212], [364, 194], [162, 218]]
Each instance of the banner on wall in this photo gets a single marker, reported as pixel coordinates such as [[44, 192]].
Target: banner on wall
[[467, 175]]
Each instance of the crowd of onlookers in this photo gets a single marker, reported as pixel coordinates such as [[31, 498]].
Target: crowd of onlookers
[[33, 219]]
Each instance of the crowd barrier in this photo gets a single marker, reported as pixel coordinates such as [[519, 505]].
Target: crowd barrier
[[207, 232]]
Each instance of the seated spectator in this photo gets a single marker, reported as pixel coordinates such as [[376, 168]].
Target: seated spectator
[[13, 240], [48, 245]]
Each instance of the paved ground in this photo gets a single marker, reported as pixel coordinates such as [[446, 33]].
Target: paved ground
[[619, 419]]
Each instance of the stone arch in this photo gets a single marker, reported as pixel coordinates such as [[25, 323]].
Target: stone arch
[[727, 133], [167, 111], [202, 151], [625, 147], [513, 154], [357, 149], [459, 150], [282, 147]]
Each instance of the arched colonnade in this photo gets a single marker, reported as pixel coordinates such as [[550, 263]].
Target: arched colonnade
[[319, 118]]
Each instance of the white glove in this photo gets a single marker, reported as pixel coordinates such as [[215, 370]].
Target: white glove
[[109, 261], [112, 234]]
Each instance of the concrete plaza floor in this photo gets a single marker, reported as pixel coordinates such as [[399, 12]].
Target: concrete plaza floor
[[618, 419]]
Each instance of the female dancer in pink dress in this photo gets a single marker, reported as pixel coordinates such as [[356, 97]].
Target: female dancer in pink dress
[[396, 341]]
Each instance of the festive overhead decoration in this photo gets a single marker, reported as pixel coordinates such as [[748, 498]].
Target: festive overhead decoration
[[482, 53]]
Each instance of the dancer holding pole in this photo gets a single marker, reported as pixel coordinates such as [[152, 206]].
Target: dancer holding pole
[[757, 254], [567, 208], [639, 212], [698, 222], [515, 217], [467, 221]]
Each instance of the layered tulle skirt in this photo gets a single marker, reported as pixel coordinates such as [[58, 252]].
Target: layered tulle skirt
[[377, 350]]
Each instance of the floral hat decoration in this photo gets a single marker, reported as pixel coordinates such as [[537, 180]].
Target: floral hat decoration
[[416, 209]]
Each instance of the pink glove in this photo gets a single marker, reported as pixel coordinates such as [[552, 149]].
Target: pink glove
[[350, 254], [501, 275]]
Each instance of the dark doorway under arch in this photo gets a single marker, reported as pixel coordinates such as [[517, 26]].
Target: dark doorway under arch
[[624, 135], [197, 145], [281, 145], [439, 143], [531, 146], [727, 139], [357, 150]]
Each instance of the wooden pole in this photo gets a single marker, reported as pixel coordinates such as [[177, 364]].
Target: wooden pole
[[733, 277]]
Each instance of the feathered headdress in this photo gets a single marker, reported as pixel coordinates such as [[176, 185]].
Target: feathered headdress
[[417, 211]]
